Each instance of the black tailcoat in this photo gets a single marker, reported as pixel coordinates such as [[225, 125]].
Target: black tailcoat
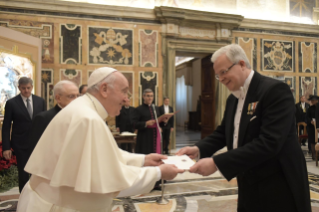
[[16, 113], [268, 163], [146, 137], [39, 124]]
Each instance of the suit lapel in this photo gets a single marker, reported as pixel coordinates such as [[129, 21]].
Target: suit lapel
[[34, 103], [245, 118], [22, 106]]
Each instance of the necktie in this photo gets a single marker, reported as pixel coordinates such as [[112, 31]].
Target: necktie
[[29, 108]]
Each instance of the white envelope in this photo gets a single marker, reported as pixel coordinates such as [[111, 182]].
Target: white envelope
[[182, 162]]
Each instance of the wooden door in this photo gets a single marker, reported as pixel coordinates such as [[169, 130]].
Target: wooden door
[[207, 97]]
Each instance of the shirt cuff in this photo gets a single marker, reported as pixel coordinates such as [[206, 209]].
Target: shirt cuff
[[159, 173], [143, 160]]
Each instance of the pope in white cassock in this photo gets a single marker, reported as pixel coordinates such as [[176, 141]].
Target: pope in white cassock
[[77, 165]]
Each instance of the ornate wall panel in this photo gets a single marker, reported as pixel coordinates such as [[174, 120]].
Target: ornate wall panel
[[148, 48], [47, 87], [72, 75], [308, 86], [148, 79], [110, 46], [36, 29], [250, 47], [70, 44], [277, 55], [307, 57]]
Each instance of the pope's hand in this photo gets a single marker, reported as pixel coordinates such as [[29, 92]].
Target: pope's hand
[[169, 171], [205, 167], [154, 159], [191, 152]]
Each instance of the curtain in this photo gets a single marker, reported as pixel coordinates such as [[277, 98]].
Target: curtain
[[183, 99]]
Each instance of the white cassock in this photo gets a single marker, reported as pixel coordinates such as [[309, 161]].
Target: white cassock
[[77, 165]]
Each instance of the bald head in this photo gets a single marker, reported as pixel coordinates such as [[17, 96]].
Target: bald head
[[65, 92]]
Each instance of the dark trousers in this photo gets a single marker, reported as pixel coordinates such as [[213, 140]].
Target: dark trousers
[[271, 194], [166, 134], [22, 159]]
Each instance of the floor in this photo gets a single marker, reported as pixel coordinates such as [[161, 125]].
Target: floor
[[187, 192]]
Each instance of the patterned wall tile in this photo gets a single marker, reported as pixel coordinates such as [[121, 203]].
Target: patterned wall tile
[[70, 44], [148, 48], [250, 47], [36, 29], [290, 81], [110, 46], [72, 75], [148, 79], [47, 87], [308, 86], [277, 55], [307, 57]]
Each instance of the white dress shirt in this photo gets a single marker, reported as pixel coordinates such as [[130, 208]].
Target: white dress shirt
[[241, 96], [25, 101], [166, 109]]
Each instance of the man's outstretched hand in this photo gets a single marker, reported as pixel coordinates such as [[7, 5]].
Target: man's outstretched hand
[[205, 167], [191, 152], [154, 159]]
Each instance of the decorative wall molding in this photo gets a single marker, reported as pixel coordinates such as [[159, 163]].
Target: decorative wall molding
[[279, 26], [80, 8]]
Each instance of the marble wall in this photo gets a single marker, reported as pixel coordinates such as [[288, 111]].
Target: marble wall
[[72, 48], [289, 58]]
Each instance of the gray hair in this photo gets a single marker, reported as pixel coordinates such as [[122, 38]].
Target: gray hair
[[59, 87], [25, 81], [147, 90], [233, 52], [109, 80]]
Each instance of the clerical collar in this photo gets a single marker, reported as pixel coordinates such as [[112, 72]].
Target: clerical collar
[[149, 105], [59, 106], [126, 107], [98, 106], [242, 91]]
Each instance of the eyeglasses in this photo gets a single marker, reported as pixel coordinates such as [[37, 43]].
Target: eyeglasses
[[217, 76], [72, 96]]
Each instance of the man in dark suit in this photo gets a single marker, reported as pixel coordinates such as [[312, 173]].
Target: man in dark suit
[[20, 110], [301, 111], [259, 131], [124, 123], [167, 127], [64, 92]]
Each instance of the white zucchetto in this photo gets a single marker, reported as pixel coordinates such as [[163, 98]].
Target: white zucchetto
[[99, 74]]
